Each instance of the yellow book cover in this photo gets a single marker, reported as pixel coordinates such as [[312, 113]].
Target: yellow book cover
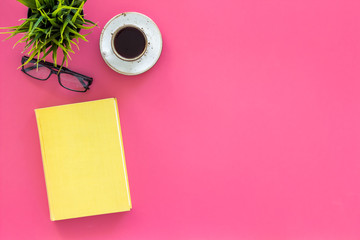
[[83, 159]]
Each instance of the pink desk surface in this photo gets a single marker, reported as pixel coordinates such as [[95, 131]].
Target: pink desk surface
[[248, 127]]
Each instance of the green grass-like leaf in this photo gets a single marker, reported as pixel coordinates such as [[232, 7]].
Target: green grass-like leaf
[[29, 3]]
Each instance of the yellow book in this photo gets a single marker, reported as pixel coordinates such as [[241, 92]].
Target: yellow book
[[83, 158]]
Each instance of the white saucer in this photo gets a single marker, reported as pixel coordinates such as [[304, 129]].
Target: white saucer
[[153, 49]]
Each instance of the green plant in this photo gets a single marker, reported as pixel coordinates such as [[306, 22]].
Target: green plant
[[52, 25]]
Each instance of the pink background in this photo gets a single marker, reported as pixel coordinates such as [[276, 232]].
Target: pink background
[[248, 127]]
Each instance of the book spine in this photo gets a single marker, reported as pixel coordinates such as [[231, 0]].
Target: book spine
[[122, 152], [43, 154]]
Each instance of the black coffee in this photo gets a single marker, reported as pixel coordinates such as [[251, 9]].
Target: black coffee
[[129, 42]]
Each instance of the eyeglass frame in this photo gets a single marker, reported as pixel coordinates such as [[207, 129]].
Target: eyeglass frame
[[57, 71]]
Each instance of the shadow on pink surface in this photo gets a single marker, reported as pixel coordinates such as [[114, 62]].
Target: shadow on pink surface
[[92, 226]]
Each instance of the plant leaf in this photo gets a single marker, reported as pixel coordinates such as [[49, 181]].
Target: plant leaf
[[84, 27], [68, 20], [90, 22], [28, 3], [36, 24], [78, 35], [46, 53], [51, 20], [62, 8], [78, 12]]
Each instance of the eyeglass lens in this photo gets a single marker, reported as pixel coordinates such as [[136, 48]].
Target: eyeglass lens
[[72, 82], [40, 72]]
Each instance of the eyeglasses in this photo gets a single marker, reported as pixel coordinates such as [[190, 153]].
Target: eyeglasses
[[67, 79]]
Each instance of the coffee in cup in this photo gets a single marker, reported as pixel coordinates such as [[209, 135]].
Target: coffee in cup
[[129, 43]]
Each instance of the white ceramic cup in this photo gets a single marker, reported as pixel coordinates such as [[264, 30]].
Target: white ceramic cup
[[140, 63]]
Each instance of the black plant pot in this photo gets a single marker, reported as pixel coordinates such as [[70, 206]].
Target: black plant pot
[[29, 12]]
